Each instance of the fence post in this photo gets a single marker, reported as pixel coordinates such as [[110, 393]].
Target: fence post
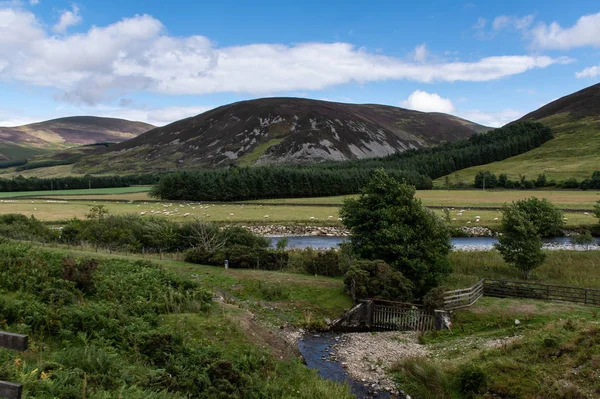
[[442, 320], [17, 342], [585, 297]]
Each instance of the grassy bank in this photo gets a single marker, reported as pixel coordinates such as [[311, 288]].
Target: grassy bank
[[118, 327], [580, 268]]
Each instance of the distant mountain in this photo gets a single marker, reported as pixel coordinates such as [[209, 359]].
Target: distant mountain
[[573, 153], [36, 138], [280, 130]]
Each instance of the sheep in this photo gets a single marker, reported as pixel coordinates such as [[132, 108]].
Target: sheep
[[312, 218], [329, 217], [142, 213], [453, 219], [495, 219], [231, 214], [266, 216]]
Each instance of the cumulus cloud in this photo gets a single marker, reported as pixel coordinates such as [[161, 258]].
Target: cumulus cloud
[[493, 119], [585, 32], [67, 19], [428, 102], [136, 54], [589, 72]]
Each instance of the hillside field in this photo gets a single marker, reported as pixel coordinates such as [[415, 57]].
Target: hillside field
[[573, 153]]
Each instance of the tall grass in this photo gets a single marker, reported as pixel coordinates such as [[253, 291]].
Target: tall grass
[[578, 268]]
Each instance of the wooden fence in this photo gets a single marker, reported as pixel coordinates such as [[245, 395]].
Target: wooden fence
[[401, 317], [522, 289], [463, 298]]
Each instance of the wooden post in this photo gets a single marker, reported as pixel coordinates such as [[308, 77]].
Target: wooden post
[[8, 390], [585, 297], [15, 342]]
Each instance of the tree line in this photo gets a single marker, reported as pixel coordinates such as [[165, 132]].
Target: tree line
[[21, 183], [487, 179], [415, 167]]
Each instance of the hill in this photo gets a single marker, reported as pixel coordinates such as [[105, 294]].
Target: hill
[[280, 130], [573, 153], [38, 138]]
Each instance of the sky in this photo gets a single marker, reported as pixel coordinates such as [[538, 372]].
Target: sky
[[159, 61]]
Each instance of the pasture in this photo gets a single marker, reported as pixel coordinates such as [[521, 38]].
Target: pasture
[[473, 198], [83, 193]]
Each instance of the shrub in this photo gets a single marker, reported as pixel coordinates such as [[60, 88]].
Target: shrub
[[376, 279], [324, 263], [485, 180], [546, 218], [434, 300], [472, 380], [81, 273], [570, 183]]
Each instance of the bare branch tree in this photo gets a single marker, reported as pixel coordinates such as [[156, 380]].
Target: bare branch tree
[[206, 236]]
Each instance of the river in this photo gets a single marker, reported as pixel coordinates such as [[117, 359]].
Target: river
[[460, 243]]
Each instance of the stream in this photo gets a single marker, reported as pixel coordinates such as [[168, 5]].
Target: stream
[[316, 350]]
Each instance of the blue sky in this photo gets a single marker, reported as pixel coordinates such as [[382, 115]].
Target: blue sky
[[159, 61]]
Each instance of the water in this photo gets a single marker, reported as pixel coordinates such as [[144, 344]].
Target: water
[[322, 242], [316, 348]]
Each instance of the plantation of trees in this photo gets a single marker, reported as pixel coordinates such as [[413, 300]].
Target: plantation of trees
[[415, 167]]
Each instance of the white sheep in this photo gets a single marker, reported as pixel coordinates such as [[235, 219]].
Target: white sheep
[[495, 219], [266, 216], [329, 217], [142, 213], [231, 214]]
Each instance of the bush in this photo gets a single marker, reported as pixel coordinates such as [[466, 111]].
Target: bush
[[485, 180], [472, 380], [546, 218], [324, 263], [376, 279], [570, 183], [434, 300], [241, 257]]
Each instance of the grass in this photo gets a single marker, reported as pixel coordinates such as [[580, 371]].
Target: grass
[[466, 198], [250, 158], [552, 353], [307, 300], [56, 211], [579, 268], [78, 192], [573, 153], [225, 213]]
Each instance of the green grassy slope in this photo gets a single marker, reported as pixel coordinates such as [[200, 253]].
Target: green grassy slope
[[574, 152]]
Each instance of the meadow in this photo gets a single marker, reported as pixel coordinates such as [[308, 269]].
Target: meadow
[[79, 193], [573, 153]]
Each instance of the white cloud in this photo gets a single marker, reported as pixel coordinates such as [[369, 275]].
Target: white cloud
[[493, 119], [585, 32], [589, 72], [428, 102], [34, 2], [67, 19], [154, 116], [135, 54], [518, 23], [420, 54]]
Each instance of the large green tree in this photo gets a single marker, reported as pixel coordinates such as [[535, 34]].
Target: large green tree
[[387, 223], [545, 217], [597, 210], [520, 242]]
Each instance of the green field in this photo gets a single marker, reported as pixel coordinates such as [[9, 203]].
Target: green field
[[573, 153], [76, 203], [472, 198], [80, 192]]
